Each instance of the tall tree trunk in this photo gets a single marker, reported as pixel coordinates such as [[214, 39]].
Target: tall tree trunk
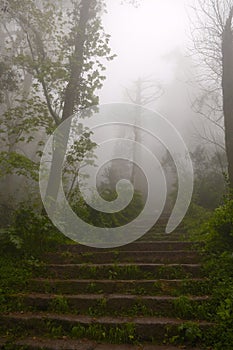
[[136, 131], [227, 87], [71, 97], [71, 93]]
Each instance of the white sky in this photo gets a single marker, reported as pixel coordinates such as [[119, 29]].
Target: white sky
[[141, 37]]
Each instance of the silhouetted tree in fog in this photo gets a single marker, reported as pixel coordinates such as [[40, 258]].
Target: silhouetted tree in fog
[[213, 40]]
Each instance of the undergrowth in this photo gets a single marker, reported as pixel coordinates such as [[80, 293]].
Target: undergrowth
[[216, 231]]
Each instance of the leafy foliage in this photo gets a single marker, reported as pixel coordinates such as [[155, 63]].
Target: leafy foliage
[[31, 233], [210, 185], [195, 220], [220, 228], [45, 51], [15, 163], [100, 219], [216, 230], [8, 79]]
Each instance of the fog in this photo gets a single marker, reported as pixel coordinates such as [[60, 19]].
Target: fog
[[154, 40], [154, 54], [142, 37], [116, 174], [151, 41]]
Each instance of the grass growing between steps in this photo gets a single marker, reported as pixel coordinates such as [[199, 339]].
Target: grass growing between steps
[[116, 335], [216, 231], [124, 272], [161, 287], [21, 248], [124, 334], [17, 269], [182, 307], [14, 275]]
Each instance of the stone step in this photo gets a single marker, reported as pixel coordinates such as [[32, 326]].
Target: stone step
[[70, 344], [120, 270], [136, 246], [178, 256], [79, 327], [160, 235], [196, 286], [111, 304]]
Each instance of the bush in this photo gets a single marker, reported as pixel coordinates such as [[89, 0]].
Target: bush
[[100, 219], [195, 221], [218, 234], [220, 228], [31, 233]]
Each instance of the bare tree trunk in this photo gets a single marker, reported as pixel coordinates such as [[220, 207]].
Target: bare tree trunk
[[138, 101], [227, 86], [142, 98]]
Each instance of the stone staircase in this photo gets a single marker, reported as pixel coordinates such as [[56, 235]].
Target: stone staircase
[[146, 293]]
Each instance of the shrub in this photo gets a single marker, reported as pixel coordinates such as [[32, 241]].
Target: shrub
[[195, 222], [31, 233], [220, 228], [100, 219], [218, 233]]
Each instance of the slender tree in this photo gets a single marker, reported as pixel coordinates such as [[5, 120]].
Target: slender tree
[[213, 40], [145, 91], [227, 88]]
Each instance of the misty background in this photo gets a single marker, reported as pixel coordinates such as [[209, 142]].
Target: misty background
[[151, 41], [156, 66]]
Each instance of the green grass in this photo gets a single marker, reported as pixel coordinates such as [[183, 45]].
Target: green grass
[[124, 334], [15, 273]]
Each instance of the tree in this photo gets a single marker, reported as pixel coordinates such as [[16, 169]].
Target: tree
[[61, 48], [227, 88], [145, 91], [213, 40]]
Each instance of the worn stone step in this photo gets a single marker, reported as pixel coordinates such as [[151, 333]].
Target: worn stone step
[[196, 286], [130, 328], [178, 256], [110, 304], [160, 235], [121, 270], [70, 344], [136, 246]]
